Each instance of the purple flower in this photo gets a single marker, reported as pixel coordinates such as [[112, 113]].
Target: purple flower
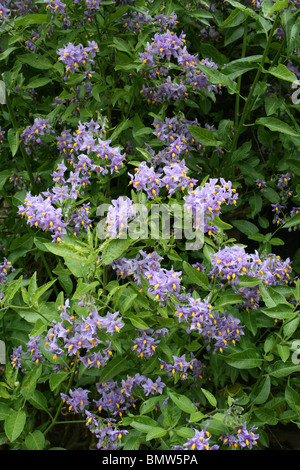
[[240, 436], [121, 211], [151, 388], [41, 213], [16, 357], [208, 200], [200, 441], [145, 345], [181, 365], [76, 56], [31, 135], [77, 399], [4, 268], [33, 348]]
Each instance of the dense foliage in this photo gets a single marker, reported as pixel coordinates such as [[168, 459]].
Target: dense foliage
[[118, 117]]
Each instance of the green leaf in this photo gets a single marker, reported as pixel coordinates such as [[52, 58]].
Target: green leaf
[[295, 220], [292, 398], [228, 299], [248, 281], [36, 18], [210, 397], [115, 249], [276, 125], [29, 383], [242, 152], [196, 277], [280, 311], [204, 136], [38, 401], [239, 66], [13, 140], [281, 369], [186, 433], [247, 359], [4, 175], [263, 391], [7, 52], [14, 424], [148, 405], [183, 402], [56, 379], [41, 290], [216, 77], [35, 440], [236, 18], [137, 322], [255, 202], [36, 61], [269, 8], [266, 416], [283, 351], [38, 82], [283, 73], [155, 432], [121, 45], [39, 328], [246, 227], [195, 417], [114, 367], [12, 289]]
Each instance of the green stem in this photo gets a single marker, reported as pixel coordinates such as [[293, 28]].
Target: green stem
[[250, 100], [16, 128], [54, 421], [49, 272], [239, 82]]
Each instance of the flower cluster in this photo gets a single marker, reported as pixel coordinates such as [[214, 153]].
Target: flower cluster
[[136, 21], [41, 213], [231, 263], [75, 337], [200, 441], [2, 135], [172, 176], [107, 434], [74, 57], [161, 282], [207, 200], [198, 315], [30, 43], [241, 437], [114, 399], [4, 268], [216, 329], [169, 46], [31, 135], [146, 342], [33, 351], [120, 213], [181, 366], [94, 153], [80, 338]]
